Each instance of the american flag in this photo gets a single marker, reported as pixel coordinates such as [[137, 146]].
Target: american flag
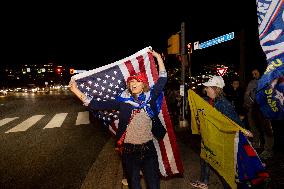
[[110, 80]]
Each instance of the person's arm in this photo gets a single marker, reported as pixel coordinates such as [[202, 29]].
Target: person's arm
[[226, 108], [92, 103], [159, 86], [249, 94], [159, 61], [77, 92], [161, 65]]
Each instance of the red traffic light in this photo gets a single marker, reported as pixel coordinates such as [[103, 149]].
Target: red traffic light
[[189, 48], [58, 70]]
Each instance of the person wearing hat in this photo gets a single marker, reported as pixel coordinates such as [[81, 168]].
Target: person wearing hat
[[215, 97], [138, 107]]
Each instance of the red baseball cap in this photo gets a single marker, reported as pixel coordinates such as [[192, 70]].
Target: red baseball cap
[[140, 76]]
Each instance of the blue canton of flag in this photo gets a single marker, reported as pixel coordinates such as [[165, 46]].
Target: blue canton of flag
[[104, 85], [270, 88]]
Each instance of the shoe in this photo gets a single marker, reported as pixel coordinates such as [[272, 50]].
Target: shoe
[[265, 155], [124, 182], [198, 184]]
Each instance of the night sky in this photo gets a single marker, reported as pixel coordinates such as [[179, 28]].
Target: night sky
[[88, 35]]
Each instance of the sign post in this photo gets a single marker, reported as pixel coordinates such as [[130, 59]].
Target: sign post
[[183, 122]]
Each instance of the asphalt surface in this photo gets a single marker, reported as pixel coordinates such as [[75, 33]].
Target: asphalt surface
[[59, 156], [109, 166], [82, 156]]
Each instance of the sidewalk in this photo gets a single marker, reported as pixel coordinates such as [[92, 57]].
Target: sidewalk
[[106, 172]]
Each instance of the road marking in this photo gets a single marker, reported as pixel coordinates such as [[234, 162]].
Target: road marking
[[7, 120], [56, 121], [26, 124], [83, 118]]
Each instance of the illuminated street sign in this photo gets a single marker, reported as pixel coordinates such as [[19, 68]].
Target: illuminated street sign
[[78, 71], [217, 40]]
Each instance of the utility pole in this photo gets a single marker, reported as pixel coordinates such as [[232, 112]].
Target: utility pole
[[184, 63]]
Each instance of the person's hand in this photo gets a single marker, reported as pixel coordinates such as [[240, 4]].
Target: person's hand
[[247, 133], [160, 61], [72, 85], [155, 54]]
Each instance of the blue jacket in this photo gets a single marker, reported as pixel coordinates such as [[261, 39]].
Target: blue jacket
[[226, 107], [125, 111]]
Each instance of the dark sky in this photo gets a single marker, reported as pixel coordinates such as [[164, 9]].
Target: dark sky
[[90, 35]]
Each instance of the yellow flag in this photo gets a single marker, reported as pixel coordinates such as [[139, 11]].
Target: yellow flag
[[218, 134]]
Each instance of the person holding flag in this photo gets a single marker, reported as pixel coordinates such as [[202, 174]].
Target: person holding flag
[[215, 97], [138, 107]]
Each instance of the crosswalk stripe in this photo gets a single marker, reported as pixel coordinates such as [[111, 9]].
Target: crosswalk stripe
[[26, 124], [83, 118], [56, 121], [7, 120]]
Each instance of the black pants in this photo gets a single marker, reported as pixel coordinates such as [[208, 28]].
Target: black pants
[[136, 157]]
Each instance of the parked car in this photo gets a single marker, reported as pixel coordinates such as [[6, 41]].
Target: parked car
[[3, 92], [31, 88]]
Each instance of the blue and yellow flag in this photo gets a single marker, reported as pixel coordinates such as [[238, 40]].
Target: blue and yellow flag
[[219, 136], [270, 88]]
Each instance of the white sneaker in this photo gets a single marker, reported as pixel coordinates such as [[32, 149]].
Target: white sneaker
[[124, 182]]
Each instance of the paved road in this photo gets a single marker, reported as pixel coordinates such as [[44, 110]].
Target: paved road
[[109, 166], [48, 141]]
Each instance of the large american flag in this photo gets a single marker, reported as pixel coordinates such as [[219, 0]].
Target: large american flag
[[110, 80]]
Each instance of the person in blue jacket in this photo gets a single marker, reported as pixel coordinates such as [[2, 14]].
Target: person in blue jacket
[[139, 123], [215, 97]]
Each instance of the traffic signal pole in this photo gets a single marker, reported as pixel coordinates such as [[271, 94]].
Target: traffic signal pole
[[184, 63]]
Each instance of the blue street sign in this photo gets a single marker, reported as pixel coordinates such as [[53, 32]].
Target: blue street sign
[[79, 71], [217, 40]]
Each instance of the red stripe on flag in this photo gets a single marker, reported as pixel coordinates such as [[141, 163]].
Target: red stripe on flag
[[172, 137], [169, 126], [130, 67], [141, 64], [140, 60], [166, 162], [165, 159], [153, 67]]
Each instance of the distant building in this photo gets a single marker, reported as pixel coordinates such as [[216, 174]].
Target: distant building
[[38, 74]]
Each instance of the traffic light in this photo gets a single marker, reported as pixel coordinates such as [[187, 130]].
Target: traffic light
[[174, 44], [72, 71], [189, 48], [58, 70]]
